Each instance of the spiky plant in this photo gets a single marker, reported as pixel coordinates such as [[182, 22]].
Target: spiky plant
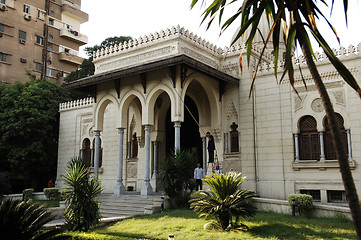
[[24, 220], [82, 211], [224, 202], [177, 172]]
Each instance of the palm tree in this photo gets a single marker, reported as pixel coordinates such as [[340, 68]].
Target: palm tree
[[24, 220], [82, 211], [224, 202], [291, 18]]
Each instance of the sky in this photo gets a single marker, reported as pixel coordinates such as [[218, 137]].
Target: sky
[[135, 18]]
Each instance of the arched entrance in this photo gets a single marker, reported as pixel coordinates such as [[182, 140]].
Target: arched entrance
[[190, 136]]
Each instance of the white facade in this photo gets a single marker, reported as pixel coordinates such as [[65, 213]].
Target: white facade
[[140, 87]]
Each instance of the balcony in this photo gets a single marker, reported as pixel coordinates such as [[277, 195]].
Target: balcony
[[67, 57], [74, 12], [74, 36]]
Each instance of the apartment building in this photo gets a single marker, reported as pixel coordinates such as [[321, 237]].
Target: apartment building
[[22, 38]]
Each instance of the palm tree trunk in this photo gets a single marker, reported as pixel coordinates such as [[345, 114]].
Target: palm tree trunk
[[346, 174]]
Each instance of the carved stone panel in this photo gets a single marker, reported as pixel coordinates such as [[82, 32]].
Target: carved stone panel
[[317, 105], [298, 102], [216, 134], [232, 112], [340, 98], [91, 132], [132, 169], [84, 129]]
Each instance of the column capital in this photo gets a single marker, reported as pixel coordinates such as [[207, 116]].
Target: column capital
[[121, 130], [177, 124], [97, 132]]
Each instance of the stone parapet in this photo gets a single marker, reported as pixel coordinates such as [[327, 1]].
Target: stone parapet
[[162, 36], [320, 58], [76, 104]]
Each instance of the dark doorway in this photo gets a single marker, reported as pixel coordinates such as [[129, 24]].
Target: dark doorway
[[190, 137]]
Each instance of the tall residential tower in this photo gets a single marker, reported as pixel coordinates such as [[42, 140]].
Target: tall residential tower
[[22, 38]]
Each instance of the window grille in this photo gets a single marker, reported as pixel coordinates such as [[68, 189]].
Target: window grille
[[330, 152], [309, 143]]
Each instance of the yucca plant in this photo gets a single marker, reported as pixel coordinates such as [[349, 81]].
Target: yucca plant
[[24, 220], [225, 203], [177, 172], [80, 192]]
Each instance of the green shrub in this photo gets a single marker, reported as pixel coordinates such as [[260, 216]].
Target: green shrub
[[52, 193], [303, 202], [28, 194]]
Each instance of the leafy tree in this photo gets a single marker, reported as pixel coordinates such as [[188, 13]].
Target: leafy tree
[[224, 202], [24, 220], [80, 192], [106, 43], [292, 19], [5, 186], [87, 67], [29, 125]]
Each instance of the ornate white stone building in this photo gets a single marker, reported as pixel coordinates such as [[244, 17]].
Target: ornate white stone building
[[279, 140]]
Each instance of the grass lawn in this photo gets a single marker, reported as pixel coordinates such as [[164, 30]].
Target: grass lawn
[[48, 203], [185, 224]]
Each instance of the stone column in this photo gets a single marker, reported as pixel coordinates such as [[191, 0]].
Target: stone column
[[81, 154], [322, 147], [348, 132], [297, 150], [96, 152], [92, 157], [119, 187], [225, 142], [177, 126], [147, 188], [204, 151], [155, 159]]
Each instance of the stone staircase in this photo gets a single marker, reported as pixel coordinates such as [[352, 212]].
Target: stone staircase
[[128, 204]]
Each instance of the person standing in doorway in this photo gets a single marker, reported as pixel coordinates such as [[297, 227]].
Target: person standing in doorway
[[211, 147], [218, 170], [198, 176]]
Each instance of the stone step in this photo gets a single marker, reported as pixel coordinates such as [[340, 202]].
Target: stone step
[[119, 209], [120, 203], [123, 212], [112, 215], [127, 205]]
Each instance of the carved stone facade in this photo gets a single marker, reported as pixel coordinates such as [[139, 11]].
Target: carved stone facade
[[128, 94]]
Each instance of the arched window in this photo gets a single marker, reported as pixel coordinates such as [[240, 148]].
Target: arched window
[[330, 152], [86, 152], [100, 153], [309, 143]]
